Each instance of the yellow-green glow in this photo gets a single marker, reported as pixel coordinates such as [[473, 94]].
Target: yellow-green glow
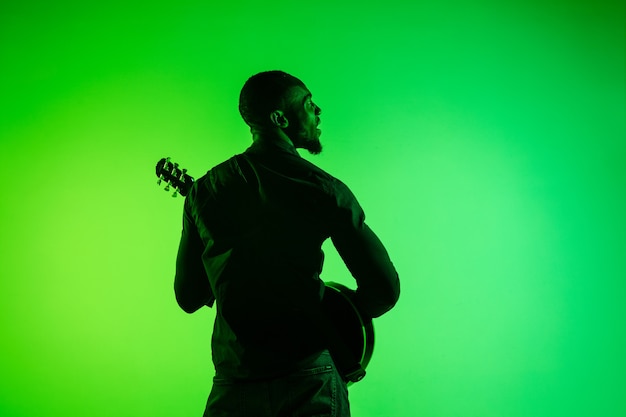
[[486, 142]]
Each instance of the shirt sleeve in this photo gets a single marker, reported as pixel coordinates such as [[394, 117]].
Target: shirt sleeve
[[378, 285], [191, 284]]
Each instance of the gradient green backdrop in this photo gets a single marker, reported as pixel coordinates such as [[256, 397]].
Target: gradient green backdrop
[[485, 140]]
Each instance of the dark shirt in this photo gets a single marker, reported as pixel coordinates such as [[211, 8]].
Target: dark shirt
[[253, 229]]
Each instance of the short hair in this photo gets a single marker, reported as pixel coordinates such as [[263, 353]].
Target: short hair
[[262, 94]]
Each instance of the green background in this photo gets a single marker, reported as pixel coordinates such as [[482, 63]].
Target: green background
[[486, 142]]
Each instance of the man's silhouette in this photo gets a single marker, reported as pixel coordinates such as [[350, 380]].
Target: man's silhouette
[[253, 229]]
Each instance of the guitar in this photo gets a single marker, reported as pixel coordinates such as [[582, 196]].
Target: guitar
[[351, 338]]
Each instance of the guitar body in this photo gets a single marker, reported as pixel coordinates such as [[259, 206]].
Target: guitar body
[[351, 339]]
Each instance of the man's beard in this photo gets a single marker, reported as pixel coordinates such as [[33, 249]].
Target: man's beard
[[314, 146], [306, 140]]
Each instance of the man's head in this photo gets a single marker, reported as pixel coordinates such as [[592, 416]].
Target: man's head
[[275, 102]]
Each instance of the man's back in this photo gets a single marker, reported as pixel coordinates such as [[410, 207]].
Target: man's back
[[262, 217]]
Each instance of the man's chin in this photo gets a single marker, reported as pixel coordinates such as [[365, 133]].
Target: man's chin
[[314, 147]]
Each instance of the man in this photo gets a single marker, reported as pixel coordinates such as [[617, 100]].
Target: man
[[253, 228]]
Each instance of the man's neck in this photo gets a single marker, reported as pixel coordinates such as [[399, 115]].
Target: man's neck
[[271, 135]]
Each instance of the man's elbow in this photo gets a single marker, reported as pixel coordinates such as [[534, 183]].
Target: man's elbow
[[392, 295], [377, 301], [186, 303], [387, 300]]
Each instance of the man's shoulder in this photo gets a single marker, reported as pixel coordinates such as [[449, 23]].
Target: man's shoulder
[[218, 177], [225, 167]]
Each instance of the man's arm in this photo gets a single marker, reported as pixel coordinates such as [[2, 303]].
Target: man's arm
[[378, 286], [191, 284]]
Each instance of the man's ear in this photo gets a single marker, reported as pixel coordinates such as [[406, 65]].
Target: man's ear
[[278, 119]]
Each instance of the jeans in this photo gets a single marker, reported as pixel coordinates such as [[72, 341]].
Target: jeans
[[315, 391]]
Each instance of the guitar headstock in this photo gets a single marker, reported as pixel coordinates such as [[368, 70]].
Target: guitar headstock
[[174, 177]]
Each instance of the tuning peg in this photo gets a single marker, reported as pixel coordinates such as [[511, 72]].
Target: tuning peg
[[175, 193], [167, 187]]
